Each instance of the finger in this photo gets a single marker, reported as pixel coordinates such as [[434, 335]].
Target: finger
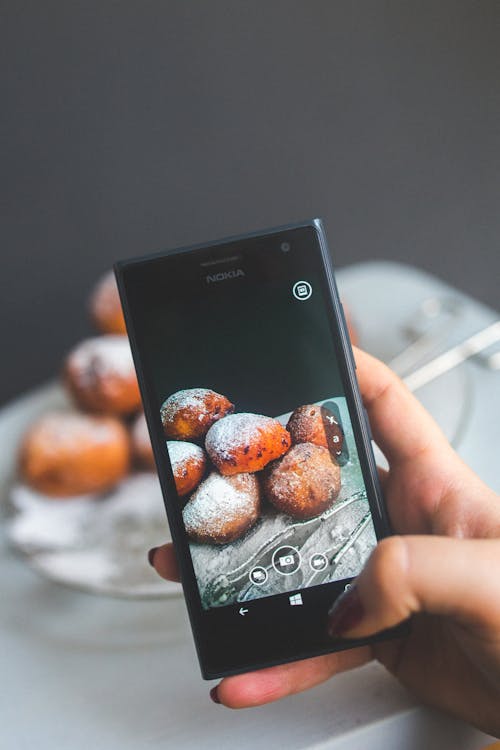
[[164, 562], [400, 425], [267, 685], [410, 574], [383, 476]]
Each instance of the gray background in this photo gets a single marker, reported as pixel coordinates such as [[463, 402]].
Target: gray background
[[132, 126]]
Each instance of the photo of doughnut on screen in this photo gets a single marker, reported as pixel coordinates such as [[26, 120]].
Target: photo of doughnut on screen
[[270, 504]]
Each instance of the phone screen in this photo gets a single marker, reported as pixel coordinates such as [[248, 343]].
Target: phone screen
[[254, 420]]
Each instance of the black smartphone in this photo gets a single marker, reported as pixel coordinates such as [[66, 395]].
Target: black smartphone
[[260, 438]]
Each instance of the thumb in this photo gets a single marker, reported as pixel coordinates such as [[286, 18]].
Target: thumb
[[404, 575]]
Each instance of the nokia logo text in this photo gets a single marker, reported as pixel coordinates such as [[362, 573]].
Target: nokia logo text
[[224, 275]]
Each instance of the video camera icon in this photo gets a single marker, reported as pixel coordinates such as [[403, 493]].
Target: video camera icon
[[318, 562], [286, 560]]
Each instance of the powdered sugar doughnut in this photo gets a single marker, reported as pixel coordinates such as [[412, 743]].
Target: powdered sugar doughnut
[[68, 453], [222, 509], [105, 306], [316, 424], [304, 483], [189, 464], [100, 375], [245, 442], [188, 414], [141, 444]]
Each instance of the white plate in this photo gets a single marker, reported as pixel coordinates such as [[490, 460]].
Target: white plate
[[95, 543]]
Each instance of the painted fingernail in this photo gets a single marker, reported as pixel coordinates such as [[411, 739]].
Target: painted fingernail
[[214, 694], [346, 613], [151, 556]]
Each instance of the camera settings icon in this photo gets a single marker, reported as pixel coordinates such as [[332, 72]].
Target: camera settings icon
[[302, 290]]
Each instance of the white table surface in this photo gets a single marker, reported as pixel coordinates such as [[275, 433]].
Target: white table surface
[[82, 671]]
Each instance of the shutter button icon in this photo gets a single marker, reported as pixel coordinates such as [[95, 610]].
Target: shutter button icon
[[286, 560]]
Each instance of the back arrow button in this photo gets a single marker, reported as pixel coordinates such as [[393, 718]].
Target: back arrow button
[[243, 612]]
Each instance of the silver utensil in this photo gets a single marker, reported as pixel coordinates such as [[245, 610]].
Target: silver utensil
[[493, 361], [454, 357], [489, 360], [430, 324]]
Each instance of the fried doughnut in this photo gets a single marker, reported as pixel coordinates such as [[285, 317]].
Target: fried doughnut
[[304, 483], [189, 464], [99, 373], [243, 443], [188, 414], [68, 453], [222, 509], [316, 424], [141, 444], [105, 306]]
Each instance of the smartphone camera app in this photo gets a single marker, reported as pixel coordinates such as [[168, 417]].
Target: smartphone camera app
[[259, 438], [270, 504]]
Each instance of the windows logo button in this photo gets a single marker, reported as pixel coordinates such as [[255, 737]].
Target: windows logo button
[[295, 600]]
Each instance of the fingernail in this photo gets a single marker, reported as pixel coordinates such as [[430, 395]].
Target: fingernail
[[346, 613], [214, 694], [151, 556]]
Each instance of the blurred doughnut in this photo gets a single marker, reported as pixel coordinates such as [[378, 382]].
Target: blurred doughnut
[[68, 453], [141, 444], [99, 373], [105, 306]]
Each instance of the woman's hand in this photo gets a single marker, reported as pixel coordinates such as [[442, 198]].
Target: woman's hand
[[443, 568]]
